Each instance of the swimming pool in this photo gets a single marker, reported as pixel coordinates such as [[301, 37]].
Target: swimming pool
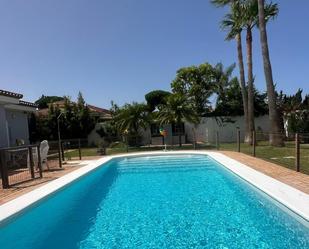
[[173, 201]]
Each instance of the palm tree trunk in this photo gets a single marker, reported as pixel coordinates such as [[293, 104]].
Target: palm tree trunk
[[179, 138], [243, 85], [274, 138], [250, 83]]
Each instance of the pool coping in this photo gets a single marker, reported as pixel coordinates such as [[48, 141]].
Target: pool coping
[[294, 199]]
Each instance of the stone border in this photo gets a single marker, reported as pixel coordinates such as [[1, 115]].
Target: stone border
[[290, 197]]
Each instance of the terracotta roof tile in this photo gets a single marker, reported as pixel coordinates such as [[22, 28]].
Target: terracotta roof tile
[[10, 94]]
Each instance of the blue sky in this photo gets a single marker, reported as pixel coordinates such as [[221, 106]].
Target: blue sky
[[121, 49]]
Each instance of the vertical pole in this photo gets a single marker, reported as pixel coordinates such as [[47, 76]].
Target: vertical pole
[[217, 140], [79, 150], [238, 140], [4, 170], [39, 161], [297, 152], [31, 162], [59, 144], [194, 136], [127, 144], [62, 150], [254, 142]]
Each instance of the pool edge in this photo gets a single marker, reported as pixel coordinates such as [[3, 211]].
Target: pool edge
[[292, 198]]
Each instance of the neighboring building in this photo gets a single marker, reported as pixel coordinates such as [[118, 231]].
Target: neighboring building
[[98, 113], [14, 114], [204, 132]]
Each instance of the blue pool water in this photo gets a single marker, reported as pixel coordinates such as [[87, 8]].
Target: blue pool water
[[185, 201]]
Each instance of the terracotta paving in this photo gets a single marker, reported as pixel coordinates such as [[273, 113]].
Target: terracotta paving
[[295, 179], [48, 175]]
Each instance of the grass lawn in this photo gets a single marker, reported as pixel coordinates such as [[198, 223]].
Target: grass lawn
[[284, 156]]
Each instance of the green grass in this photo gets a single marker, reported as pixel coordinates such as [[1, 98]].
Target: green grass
[[284, 156]]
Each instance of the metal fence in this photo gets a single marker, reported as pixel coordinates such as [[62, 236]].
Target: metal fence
[[19, 164], [23, 163], [293, 154]]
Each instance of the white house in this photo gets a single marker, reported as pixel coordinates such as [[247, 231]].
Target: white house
[[204, 132], [14, 114]]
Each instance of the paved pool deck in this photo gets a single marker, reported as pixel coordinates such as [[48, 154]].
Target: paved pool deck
[[290, 177], [48, 176], [294, 179]]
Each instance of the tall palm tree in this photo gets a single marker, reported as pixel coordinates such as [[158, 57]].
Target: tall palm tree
[[233, 24], [274, 139], [177, 110], [249, 17], [249, 11]]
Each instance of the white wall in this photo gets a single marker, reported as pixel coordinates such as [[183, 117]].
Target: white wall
[[206, 130], [18, 126], [3, 128]]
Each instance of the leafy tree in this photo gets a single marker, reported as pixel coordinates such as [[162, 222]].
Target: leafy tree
[[197, 83], [156, 98], [43, 101], [244, 15], [271, 94], [233, 24], [178, 108], [131, 118], [222, 79], [230, 104], [249, 11], [295, 110], [76, 121]]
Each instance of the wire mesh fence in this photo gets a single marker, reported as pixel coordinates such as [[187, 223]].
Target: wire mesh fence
[[20, 164], [292, 153]]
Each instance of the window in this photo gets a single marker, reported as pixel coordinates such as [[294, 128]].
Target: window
[[155, 130], [178, 129]]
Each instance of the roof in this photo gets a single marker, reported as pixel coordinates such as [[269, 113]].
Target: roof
[[98, 109], [26, 103], [93, 109], [10, 94]]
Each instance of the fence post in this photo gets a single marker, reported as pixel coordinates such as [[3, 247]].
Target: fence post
[[39, 161], [297, 152], [217, 140], [127, 143], [254, 142], [62, 151], [59, 154], [238, 140], [79, 150], [4, 171], [31, 162]]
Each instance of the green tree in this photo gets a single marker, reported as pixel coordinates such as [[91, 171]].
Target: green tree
[[178, 108], [197, 83], [232, 23], [76, 121], [295, 111], [222, 78], [84, 117], [131, 117], [231, 104], [156, 98], [249, 11], [43, 101], [271, 94]]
